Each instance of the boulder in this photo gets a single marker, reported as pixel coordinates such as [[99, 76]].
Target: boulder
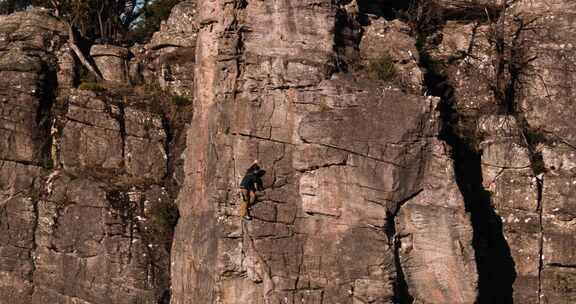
[[111, 61]]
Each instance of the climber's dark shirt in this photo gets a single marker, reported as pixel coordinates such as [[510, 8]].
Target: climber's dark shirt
[[250, 180]]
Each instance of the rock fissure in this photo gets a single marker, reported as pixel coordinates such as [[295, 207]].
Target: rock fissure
[[18, 161], [401, 288], [495, 265], [360, 154], [47, 96], [170, 157], [401, 291], [121, 118], [33, 254], [513, 65], [540, 210], [318, 167], [263, 138], [302, 86], [560, 265]]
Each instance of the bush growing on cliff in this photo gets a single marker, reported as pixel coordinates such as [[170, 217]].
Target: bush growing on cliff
[[88, 82], [180, 100], [382, 68], [91, 86]]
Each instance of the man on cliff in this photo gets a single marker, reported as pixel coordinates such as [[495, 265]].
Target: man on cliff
[[251, 183]]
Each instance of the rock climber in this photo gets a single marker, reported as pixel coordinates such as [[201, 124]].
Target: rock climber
[[251, 183]]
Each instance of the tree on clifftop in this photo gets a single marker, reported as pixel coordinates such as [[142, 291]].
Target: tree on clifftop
[[104, 21], [10, 6], [152, 15], [101, 21]]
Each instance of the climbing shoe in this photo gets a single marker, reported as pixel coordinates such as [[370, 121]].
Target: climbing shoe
[[247, 217]]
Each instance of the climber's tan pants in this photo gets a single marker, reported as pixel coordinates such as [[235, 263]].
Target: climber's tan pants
[[248, 199]]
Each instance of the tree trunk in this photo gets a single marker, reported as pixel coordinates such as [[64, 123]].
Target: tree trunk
[[78, 52]]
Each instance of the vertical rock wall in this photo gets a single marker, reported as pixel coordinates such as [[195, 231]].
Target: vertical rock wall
[[502, 70], [376, 192], [348, 159], [87, 180]]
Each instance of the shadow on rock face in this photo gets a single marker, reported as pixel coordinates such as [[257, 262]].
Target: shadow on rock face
[[496, 267]]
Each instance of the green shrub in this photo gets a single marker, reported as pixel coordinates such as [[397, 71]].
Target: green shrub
[[88, 82], [180, 100], [324, 105], [382, 68], [91, 86]]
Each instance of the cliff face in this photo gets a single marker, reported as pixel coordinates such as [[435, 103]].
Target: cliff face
[[86, 180], [343, 154], [506, 84], [414, 154]]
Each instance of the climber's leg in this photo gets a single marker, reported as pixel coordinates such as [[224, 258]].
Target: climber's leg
[[249, 203], [244, 203]]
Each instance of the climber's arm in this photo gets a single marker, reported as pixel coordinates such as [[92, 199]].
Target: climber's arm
[[259, 184]]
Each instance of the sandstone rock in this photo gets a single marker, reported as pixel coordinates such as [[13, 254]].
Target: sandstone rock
[[90, 134], [145, 144], [66, 68], [111, 61], [17, 222], [179, 30], [22, 138], [169, 57], [374, 192], [391, 38], [525, 151], [360, 150], [26, 62], [95, 233], [467, 49], [35, 29], [85, 217]]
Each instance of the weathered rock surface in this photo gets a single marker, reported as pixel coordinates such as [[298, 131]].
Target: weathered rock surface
[[169, 57], [86, 180], [376, 191], [111, 61], [392, 38], [342, 157], [506, 81]]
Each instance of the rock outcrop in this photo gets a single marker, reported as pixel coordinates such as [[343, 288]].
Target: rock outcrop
[[87, 180], [361, 203], [500, 75], [447, 176], [112, 61]]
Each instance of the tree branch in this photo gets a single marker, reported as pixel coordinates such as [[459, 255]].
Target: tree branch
[[79, 54]]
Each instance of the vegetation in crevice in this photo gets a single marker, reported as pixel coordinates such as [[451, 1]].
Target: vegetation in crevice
[[347, 36], [382, 68], [87, 81], [513, 64], [91, 86], [180, 100]]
